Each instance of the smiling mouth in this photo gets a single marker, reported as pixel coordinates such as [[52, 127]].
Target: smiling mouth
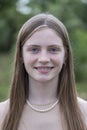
[[43, 69]]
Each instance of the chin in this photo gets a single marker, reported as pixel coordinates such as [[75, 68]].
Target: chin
[[43, 79]]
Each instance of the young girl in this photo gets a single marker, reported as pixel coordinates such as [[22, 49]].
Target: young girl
[[43, 94]]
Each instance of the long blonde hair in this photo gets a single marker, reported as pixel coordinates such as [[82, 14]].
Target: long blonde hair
[[66, 87]]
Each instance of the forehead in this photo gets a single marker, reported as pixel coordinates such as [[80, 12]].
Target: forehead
[[44, 36]]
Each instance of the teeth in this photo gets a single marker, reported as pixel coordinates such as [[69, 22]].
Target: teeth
[[44, 69]]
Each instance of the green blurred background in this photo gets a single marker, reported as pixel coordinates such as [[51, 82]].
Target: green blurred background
[[13, 13]]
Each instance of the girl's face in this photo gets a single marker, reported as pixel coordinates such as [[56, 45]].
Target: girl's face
[[43, 55]]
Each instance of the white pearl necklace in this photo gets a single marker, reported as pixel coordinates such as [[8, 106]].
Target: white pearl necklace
[[42, 110]]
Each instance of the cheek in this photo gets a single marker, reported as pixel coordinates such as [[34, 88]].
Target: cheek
[[29, 60], [58, 59]]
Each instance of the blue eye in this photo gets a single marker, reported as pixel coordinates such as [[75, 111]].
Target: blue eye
[[35, 50], [53, 50]]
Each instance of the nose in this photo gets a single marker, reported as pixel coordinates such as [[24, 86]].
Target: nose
[[44, 58]]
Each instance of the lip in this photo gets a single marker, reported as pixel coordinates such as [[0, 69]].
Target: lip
[[44, 69]]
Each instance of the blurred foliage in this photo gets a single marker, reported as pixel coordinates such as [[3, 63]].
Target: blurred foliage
[[6, 4], [81, 54], [71, 13]]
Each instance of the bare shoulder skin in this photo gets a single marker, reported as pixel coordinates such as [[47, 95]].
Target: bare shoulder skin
[[3, 108], [83, 107]]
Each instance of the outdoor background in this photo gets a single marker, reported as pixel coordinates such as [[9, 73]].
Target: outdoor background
[[13, 13]]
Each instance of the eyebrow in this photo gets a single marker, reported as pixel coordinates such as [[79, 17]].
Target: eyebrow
[[32, 45], [53, 45]]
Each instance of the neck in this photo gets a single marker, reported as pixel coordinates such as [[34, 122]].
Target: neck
[[42, 92]]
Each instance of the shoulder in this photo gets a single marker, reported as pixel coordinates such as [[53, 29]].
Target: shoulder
[[83, 107], [82, 103], [3, 104], [3, 107]]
